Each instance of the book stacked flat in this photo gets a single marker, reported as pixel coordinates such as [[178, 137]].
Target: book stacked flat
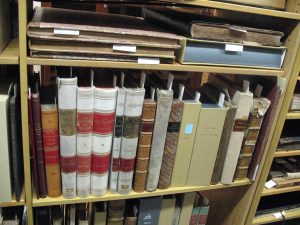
[[63, 34]]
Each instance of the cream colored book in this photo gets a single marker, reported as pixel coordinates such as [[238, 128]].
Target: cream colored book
[[186, 208], [167, 210]]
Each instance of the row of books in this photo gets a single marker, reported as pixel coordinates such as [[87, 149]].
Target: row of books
[[13, 216], [119, 139], [56, 33], [191, 208]]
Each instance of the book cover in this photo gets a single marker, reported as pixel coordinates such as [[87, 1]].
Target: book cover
[[149, 211], [67, 105], [85, 107], [132, 118], [103, 125]]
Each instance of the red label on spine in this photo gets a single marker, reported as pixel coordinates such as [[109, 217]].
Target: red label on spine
[[127, 165], [103, 123], [100, 163], [68, 164], [147, 126], [84, 122], [116, 163], [194, 219], [50, 138], [83, 163], [51, 156]]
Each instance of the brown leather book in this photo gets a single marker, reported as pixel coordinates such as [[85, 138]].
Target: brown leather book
[[144, 146], [171, 144], [38, 139], [50, 141]]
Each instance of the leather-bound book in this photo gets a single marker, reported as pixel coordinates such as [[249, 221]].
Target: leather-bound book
[[85, 105], [38, 139], [103, 126], [262, 140], [16, 140], [144, 146], [116, 149], [116, 210], [67, 103], [259, 108], [171, 144], [50, 140], [164, 103], [132, 120]]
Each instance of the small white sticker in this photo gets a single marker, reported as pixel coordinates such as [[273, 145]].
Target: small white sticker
[[124, 48], [188, 129], [270, 184], [66, 32], [277, 215], [148, 61], [234, 48]]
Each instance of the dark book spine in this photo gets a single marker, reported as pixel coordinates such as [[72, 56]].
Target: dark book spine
[[38, 139]]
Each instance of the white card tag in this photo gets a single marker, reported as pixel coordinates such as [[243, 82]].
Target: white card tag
[[234, 48], [270, 184], [66, 32], [148, 61], [277, 215], [124, 48]]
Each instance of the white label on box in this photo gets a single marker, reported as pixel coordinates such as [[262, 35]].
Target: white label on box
[[188, 129], [277, 215], [124, 48], [148, 61], [66, 32], [270, 184], [234, 48]]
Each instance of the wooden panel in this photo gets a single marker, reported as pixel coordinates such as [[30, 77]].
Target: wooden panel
[[280, 4], [276, 191], [10, 55], [293, 116]]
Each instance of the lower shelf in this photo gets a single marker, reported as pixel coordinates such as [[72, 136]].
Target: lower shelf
[[286, 153], [110, 197], [10, 55], [269, 218], [276, 191], [14, 202]]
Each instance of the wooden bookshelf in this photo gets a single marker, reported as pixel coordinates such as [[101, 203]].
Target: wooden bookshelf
[[170, 67], [10, 55], [269, 218], [277, 191], [293, 116], [14, 202], [109, 196], [286, 153]]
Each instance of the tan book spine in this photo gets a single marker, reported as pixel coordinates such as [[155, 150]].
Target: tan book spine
[[144, 146], [167, 211], [186, 208]]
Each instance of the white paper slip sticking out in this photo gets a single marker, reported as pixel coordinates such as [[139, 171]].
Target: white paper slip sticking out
[[148, 61], [66, 32], [278, 215], [234, 48], [270, 184], [124, 48]]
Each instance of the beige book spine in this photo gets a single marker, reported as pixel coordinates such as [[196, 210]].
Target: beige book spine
[[187, 208], [167, 211]]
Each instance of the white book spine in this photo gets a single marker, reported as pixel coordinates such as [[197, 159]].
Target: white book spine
[[164, 103], [85, 105], [115, 159], [132, 116], [103, 124], [67, 103]]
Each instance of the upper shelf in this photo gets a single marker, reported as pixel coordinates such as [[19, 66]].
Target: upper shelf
[[170, 67], [110, 197], [10, 55], [238, 8]]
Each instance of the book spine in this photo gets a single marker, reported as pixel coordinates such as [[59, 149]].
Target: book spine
[[115, 159], [85, 106], [144, 146], [37, 125], [132, 120], [32, 147], [164, 103], [203, 214], [103, 125], [67, 102], [194, 216], [51, 149], [170, 144]]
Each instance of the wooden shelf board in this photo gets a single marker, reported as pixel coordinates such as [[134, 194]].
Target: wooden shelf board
[[10, 55], [293, 116], [171, 67], [14, 202], [109, 196], [286, 153], [237, 7], [276, 191], [269, 218]]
